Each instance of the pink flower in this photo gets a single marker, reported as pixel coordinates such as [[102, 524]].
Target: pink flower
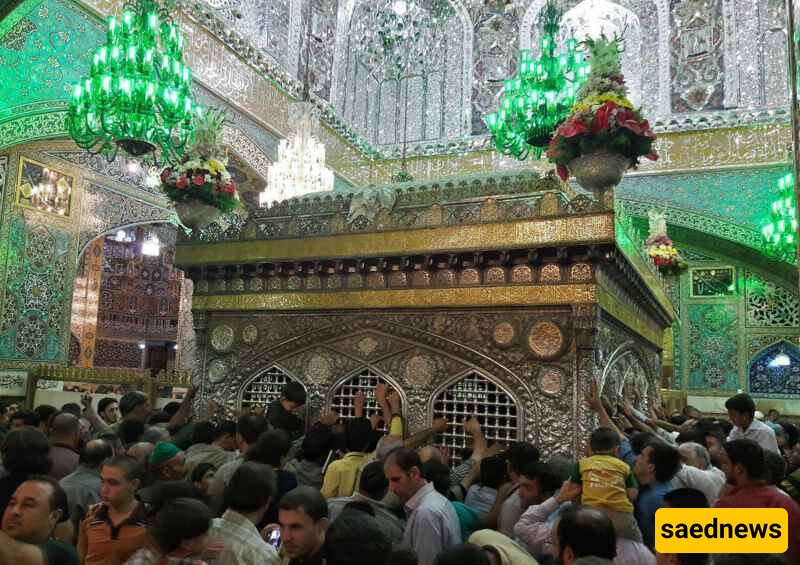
[[182, 182], [199, 180], [653, 156], [562, 172]]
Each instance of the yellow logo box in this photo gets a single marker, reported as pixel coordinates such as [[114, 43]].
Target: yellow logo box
[[722, 530]]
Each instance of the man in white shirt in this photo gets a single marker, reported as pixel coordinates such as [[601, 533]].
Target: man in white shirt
[[698, 473], [432, 524], [741, 412]]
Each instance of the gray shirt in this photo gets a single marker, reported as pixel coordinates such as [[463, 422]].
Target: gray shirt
[[83, 489], [389, 523], [432, 525]]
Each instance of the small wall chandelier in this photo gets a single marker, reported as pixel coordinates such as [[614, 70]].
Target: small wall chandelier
[[138, 94], [780, 231], [300, 168]]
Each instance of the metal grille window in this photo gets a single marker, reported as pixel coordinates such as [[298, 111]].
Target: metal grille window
[[265, 388], [341, 401], [475, 394]]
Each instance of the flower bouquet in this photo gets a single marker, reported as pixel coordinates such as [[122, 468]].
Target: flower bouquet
[[201, 186], [604, 135], [660, 247]]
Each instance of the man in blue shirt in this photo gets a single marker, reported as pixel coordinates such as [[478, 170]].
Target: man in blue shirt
[[654, 468]]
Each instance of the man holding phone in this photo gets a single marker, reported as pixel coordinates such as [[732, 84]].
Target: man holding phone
[[247, 497]]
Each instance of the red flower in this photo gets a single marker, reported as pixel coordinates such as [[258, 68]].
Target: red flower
[[563, 173], [182, 181], [230, 188], [199, 180], [625, 114], [572, 127], [653, 156], [602, 116]]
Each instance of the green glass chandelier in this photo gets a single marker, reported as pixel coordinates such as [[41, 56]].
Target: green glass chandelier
[[781, 229], [540, 96], [138, 95]]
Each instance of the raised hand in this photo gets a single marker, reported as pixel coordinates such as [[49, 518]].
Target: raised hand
[[569, 492]]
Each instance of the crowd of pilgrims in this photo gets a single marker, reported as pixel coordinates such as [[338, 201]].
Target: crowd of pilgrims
[[120, 483]]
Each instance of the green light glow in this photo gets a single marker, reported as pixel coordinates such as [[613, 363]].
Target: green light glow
[[780, 231], [138, 94], [540, 96]]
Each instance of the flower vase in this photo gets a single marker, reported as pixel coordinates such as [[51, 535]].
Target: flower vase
[[599, 172], [196, 214]]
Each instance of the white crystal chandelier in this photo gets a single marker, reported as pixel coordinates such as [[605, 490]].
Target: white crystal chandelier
[[300, 168]]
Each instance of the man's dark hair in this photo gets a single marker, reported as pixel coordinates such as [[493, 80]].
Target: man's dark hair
[[317, 443], [250, 427], [695, 435], [405, 458], [294, 392], [95, 452], [715, 433], [748, 454], [493, 472], [791, 432], [179, 520], [204, 432], [373, 481], [130, 466], [641, 440], [270, 449], [163, 492], [105, 403], [467, 554], [437, 473], [45, 412], [520, 454], [26, 451], [171, 408], [587, 531], [200, 471], [741, 403], [774, 467], [677, 419], [158, 417], [225, 427], [130, 431], [358, 434], [250, 488], [28, 417], [686, 498], [307, 499], [666, 459], [545, 474], [604, 440], [355, 537], [58, 498], [130, 401], [72, 408], [688, 408], [64, 423]]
